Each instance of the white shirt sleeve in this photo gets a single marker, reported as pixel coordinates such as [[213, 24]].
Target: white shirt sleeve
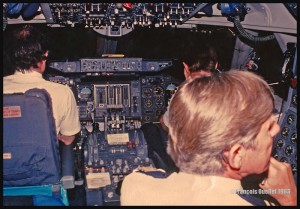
[[70, 124]]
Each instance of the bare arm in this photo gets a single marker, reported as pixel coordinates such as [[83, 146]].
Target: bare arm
[[280, 177]]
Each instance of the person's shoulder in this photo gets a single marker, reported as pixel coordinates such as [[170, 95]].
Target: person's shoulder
[[8, 78], [144, 178], [144, 173], [59, 86], [153, 172]]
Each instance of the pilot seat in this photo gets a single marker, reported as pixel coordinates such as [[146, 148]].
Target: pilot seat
[[37, 169]]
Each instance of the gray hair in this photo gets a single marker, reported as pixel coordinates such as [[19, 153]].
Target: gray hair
[[212, 113]]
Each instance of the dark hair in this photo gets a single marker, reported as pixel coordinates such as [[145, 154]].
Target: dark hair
[[27, 47], [202, 57]]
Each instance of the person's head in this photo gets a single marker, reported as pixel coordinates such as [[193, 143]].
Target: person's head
[[28, 49], [199, 61], [221, 123]]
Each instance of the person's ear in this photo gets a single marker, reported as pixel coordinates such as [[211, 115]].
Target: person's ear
[[187, 72], [45, 56], [234, 156], [46, 53]]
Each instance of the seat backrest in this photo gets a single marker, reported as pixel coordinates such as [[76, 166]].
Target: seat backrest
[[30, 147]]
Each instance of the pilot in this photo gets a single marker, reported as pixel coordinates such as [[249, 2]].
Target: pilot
[[28, 53], [217, 136], [203, 62]]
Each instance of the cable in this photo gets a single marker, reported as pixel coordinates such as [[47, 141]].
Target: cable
[[247, 35]]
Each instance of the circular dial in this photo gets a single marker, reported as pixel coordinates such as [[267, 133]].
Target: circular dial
[[171, 87], [85, 93], [294, 138], [148, 103], [170, 90], [294, 168], [285, 131], [159, 103], [290, 119], [289, 150], [158, 91], [159, 112], [279, 143], [147, 92]]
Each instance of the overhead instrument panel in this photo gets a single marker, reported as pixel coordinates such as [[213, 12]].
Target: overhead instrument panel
[[110, 19], [116, 19]]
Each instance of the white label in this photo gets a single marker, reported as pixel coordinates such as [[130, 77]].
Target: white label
[[96, 180], [117, 138]]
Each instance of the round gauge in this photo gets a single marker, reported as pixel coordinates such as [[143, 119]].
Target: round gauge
[[294, 168], [85, 93], [294, 138], [147, 118], [279, 143], [158, 91], [148, 103], [285, 131], [147, 92], [289, 150], [290, 119], [171, 87], [170, 90], [159, 112], [159, 103]]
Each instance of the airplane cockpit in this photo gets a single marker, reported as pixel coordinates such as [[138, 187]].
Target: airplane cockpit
[[123, 63]]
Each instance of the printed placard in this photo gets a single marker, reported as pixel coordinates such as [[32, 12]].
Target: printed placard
[[12, 112]]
